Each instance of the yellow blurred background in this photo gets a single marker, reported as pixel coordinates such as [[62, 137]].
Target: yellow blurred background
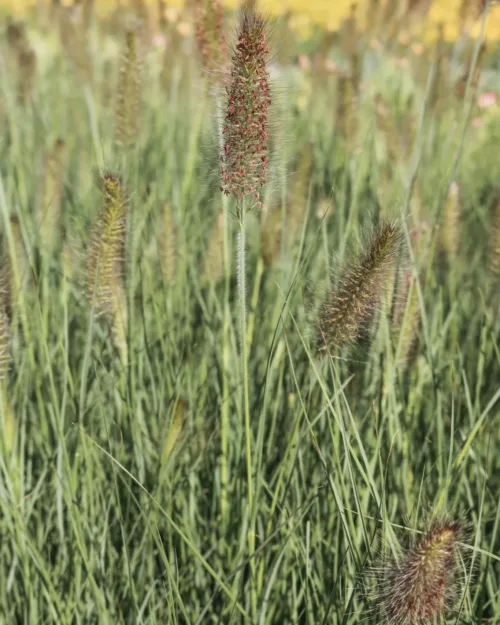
[[331, 13]]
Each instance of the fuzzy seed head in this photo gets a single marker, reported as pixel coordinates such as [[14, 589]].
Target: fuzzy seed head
[[245, 130], [209, 33], [107, 250], [418, 588], [127, 112], [349, 308]]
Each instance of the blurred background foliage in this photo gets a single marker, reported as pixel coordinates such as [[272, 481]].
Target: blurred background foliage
[[419, 16]]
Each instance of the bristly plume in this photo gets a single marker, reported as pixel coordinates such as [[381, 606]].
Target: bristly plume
[[127, 111], [105, 260], [348, 310], [209, 33], [419, 586], [54, 170], [245, 130]]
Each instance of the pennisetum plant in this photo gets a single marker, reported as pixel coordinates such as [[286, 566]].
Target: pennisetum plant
[[127, 109], [419, 585], [105, 260], [209, 33], [7, 423], [350, 306], [49, 208], [244, 167]]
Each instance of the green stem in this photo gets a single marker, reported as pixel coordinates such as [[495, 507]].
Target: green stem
[[224, 472], [246, 402], [255, 299]]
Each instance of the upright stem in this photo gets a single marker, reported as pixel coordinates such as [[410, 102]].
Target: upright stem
[[224, 473], [244, 347], [246, 402]]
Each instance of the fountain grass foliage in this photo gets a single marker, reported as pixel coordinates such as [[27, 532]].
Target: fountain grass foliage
[[124, 481]]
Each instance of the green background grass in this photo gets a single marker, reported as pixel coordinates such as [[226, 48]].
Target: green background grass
[[125, 497]]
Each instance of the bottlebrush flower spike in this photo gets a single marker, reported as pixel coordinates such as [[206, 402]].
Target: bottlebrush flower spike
[[245, 149], [127, 112], [419, 587], [347, 311], [105, 289], [209, 32]]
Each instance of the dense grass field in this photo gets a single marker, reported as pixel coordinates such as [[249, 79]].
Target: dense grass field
[[156, 467]]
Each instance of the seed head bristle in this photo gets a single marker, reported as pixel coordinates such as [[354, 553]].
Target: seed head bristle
[[107, 249], [209, 33], [348, 310], [245, 130], [419, 587], [127, 111]]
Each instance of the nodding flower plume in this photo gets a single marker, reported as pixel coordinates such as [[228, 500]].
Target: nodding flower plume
[[348, 310], [105, 289], [209, 32], [419, 586], [245, 149]]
